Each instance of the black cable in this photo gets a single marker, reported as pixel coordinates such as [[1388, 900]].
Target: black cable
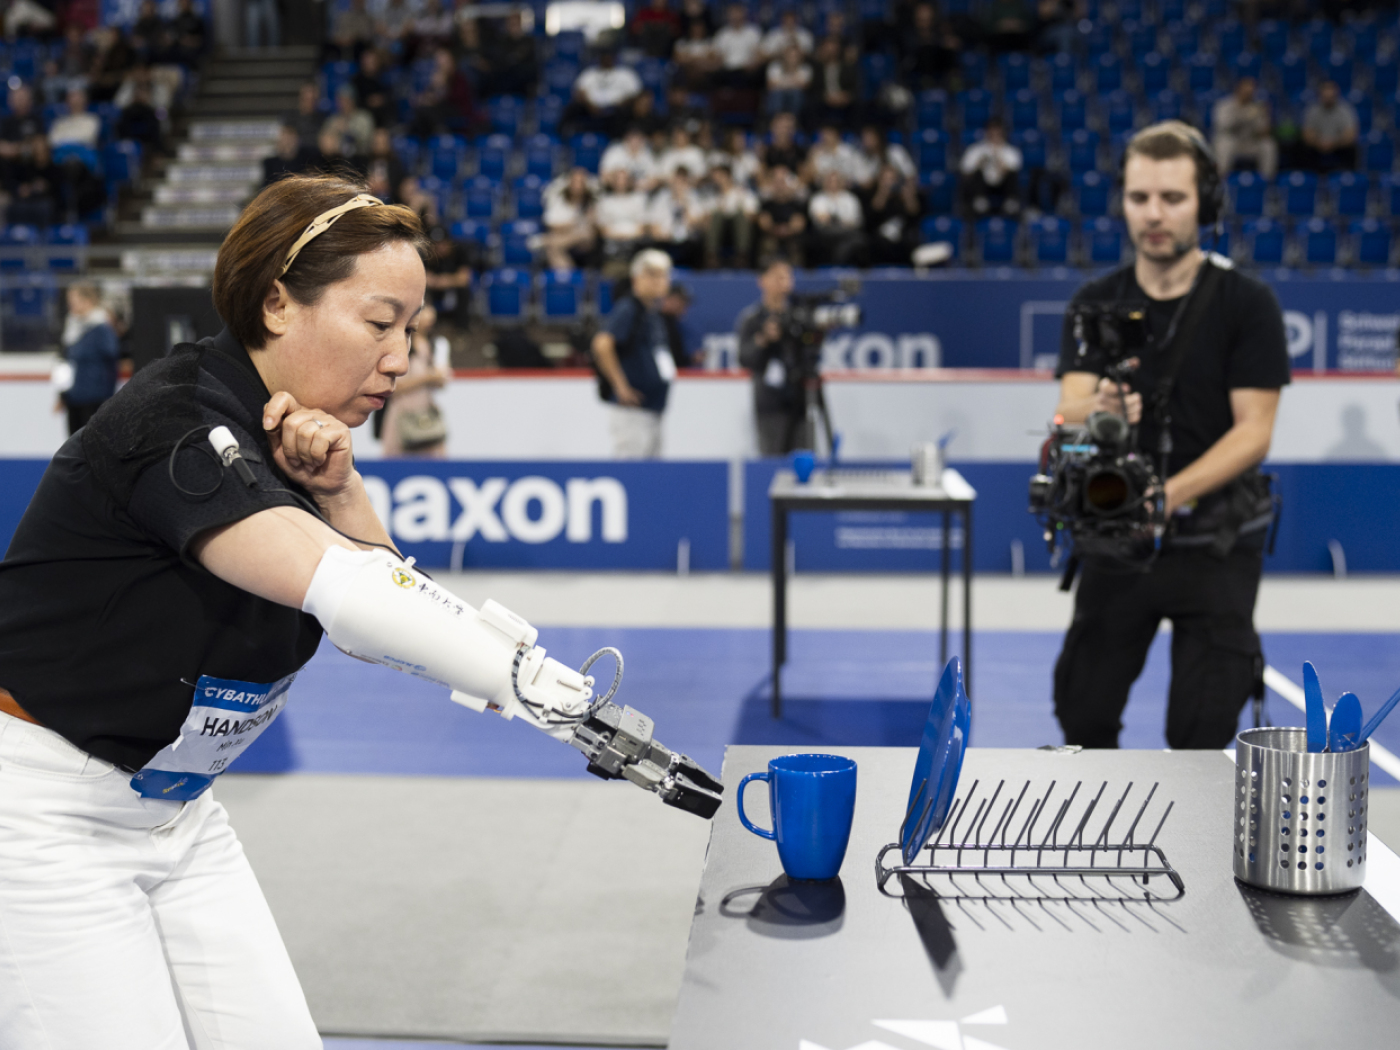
[[191, 493]]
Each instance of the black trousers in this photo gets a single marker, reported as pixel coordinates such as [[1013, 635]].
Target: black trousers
[[1216, 658]]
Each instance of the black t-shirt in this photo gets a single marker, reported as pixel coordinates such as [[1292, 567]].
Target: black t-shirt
[[1239, 343], [781, 212], [106, 622]]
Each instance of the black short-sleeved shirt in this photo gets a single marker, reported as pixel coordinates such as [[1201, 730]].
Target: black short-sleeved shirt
[[106, 622], [1238, 344]]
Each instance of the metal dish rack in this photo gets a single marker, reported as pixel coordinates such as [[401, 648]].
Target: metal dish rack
[[966, 861]]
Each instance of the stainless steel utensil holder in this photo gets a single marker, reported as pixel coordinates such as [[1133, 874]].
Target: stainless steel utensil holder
[[1300, 816]]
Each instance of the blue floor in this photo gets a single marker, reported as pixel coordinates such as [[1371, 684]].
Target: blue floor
[[707, 688]]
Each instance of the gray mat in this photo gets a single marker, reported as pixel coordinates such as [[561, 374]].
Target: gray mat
[[476, 909]]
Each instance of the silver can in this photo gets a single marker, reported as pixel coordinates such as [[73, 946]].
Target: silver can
[[1300, 816], [926, 464]]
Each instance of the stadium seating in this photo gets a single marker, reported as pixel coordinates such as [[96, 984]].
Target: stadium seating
[[943, 228], [1319, 242], [1105, 241], [515, 242], [1246, 192], [1371, 241], [528, 191], [507, 293], [996, 241], [940, 192], [1091, 191], [493, 155], [1264, 242], [1349, 191], [561, 295], [1299, 193], [1050, 236]]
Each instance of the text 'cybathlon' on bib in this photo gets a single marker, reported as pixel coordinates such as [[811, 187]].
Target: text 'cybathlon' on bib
[[225, 718]]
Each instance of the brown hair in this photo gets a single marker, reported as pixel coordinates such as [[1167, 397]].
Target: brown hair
[[1167, 140], [256, 248]]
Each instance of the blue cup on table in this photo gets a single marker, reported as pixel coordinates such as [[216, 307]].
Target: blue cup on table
[[803, 463], [812, 799]]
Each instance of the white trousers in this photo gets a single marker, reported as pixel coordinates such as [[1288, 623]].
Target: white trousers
[[636, 432], [129, 923]]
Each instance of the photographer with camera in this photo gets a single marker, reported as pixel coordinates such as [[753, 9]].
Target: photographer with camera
[[1199, 395], [775, 363]]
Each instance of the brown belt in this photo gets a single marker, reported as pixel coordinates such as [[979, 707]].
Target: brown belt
[[10, 706]]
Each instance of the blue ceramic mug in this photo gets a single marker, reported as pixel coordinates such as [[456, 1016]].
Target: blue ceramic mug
[[812, 799]]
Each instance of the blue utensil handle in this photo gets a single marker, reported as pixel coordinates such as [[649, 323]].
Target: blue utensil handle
[[743, 819], [1378, 718]]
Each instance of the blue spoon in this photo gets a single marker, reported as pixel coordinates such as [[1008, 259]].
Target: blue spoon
[[1378, 718], [1316, 712], [1345, 730]]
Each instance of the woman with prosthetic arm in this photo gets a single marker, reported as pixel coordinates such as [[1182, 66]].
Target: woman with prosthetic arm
[[174, 571]]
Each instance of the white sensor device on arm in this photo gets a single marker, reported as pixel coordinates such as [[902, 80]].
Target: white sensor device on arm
[[377, 608]]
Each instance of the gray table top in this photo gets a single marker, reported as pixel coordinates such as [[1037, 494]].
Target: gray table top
[[855, 485], [839, 966]]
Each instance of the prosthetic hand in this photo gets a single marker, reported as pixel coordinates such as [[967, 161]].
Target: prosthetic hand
[[376, 608]]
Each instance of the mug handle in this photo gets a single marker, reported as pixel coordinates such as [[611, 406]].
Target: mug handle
[[744, 820]]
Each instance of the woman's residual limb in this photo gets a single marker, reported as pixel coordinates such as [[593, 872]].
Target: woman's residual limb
[[377, 608]]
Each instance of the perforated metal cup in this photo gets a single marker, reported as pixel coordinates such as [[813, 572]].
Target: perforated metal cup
[[1300, 817]]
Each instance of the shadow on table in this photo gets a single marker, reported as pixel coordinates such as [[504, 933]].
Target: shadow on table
[[935, 932], [788, 909], [1348, 931], [830, 720]]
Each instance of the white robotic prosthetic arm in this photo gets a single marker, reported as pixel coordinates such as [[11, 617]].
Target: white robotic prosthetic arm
[[375, 607]]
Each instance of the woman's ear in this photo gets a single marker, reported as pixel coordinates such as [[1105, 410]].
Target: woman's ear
[[277, 307]]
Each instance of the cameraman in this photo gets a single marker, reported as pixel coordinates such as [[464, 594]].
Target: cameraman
[[775, 361], [1230, 360]]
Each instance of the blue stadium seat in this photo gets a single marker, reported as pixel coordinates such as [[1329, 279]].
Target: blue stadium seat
[[1385, 76], [1050, 240], [603, 297], [1350, 191], [334, 74], [1299, 193], [1073, 111], [1120, 112], [1091, 192], [652, 73], [559, 78], [1293, 73], [974, 69], [1378, 150], [1338, 68], [932, 109], [1319, 242], [1390, 195], [975, 104], [1264, 240], [1064, 72], [505, 112], [1364, 38], [940, 190], [76, 151], [588, 151], [1025, 110], [1108, 73], [1082, 148], [943, 228], [569, 44], [931, 150], [528, 191], [1370, 243], [1247, 190], [1273, 37], [549, 111], [1167, 105], [472, 231], [15, 244], [1155, 71], [1171, 10], [1228, 36], [540, 151], [1201, 72], [1104, 241], [1034, 151], [876, 69], [493, 155], [1096, 38], [409, 151], [28, 301], [515, 242], [1364, 104], [996, 241], [1246, 64], [1185, 38], [441, 192], [1317, 38], [1204, 103], [507, 293], [69, 235], [1219, 241], [1015, 72], [1140, 35], [561, 294], [446, 156], [481, 198], [121, 164]]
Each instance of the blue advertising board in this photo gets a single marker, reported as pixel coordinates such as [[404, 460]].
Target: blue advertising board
[[1337, 320]]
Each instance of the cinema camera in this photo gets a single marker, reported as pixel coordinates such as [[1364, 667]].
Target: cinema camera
[[1096, 494], [805, 324]]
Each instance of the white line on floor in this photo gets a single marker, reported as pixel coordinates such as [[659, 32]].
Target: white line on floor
[[1293, 693]]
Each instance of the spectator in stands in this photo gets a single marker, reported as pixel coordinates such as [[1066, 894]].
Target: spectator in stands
[[1243, 132], [352, 125], [291, 158], [788, 79], [384, 169], [1055, 22], [77, 127], [189, 33], [693, 11], [733, 209], [351, 32], [633, 356], [735, 154], [569, 235], [681, 153], [930, 52], [34, 184], [393, 22], [774, 361], [676, 219], [652, 123], [829, 153], [991, 174], [633, 154], [892, 217], [28, 18], [413, 425], [335, 154], [656, 28], [150, 34], [307, 118], [449, 277], [159, 90], [20, 124], [622, 217], [262, 24], [603, 96], [68, 66], [782, 219], [371, 93], [139, 120], [738, 44], [837, 83], [1008, 25], [91, 349], [787, 33], [876, 153], [1330, 131], [432, 28], [458, 96], [513, 63], [782, 149], [111, 61], [838, 224], [696, 57]]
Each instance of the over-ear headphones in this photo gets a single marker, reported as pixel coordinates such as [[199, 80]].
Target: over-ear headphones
[[1210, 188]]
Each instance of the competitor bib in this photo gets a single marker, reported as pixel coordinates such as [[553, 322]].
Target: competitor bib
[[226, 717]]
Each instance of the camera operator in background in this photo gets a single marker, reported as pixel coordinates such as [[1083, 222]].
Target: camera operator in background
[[775, 363], [1216, 347]]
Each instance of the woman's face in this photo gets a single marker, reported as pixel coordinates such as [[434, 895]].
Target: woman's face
[[343, 354]]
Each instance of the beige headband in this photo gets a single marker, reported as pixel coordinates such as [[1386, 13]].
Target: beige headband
[[324, 222]]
